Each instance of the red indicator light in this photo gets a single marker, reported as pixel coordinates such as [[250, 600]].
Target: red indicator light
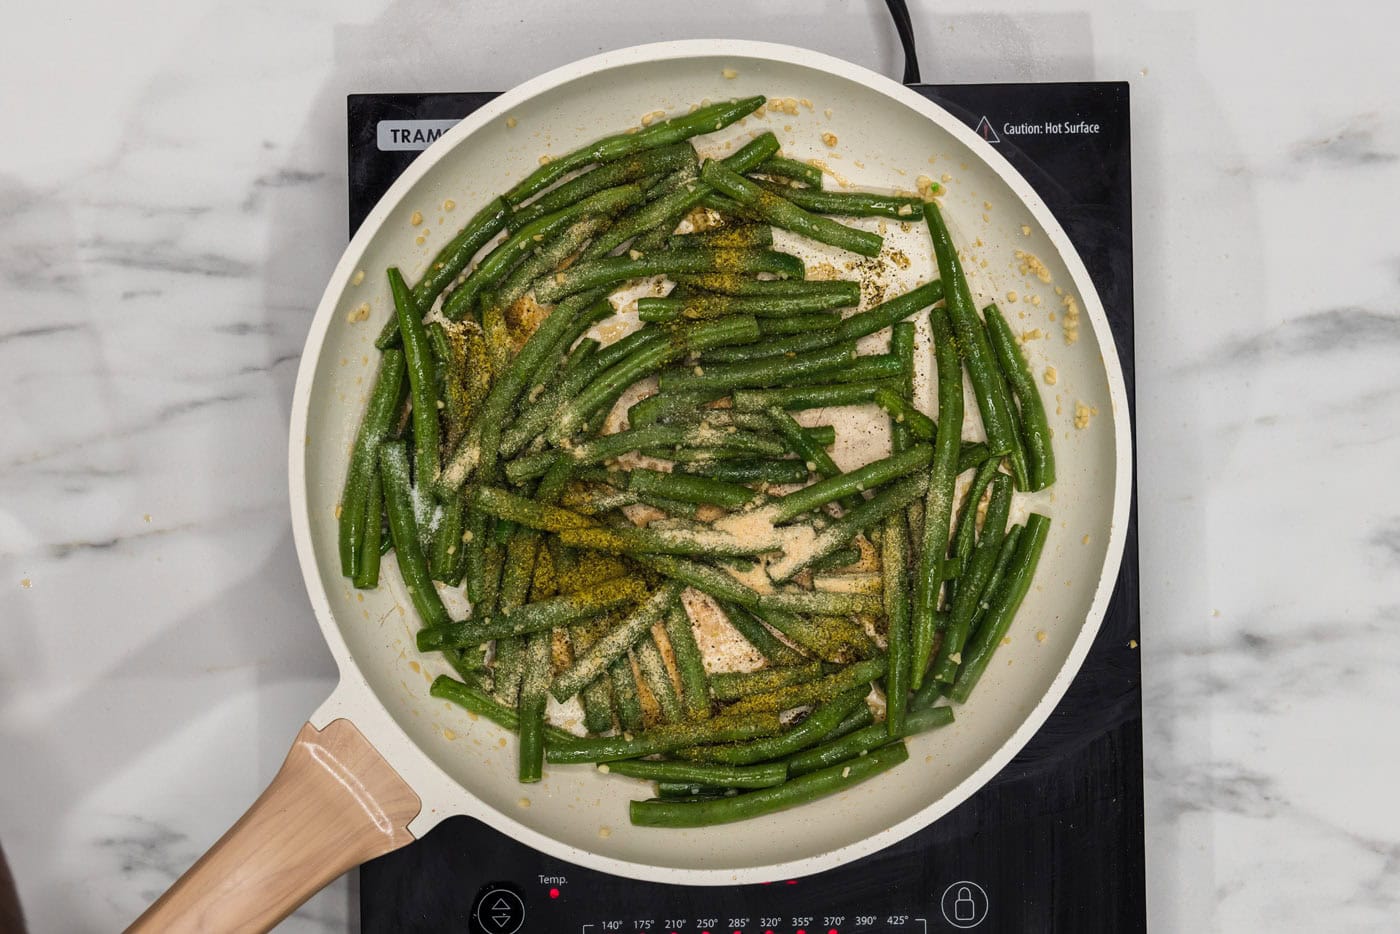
[[553, 893], [833, 931]]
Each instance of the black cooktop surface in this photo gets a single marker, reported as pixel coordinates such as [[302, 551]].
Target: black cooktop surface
[[1053, 843]]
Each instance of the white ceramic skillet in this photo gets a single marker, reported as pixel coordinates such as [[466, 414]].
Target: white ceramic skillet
[[381, 762]]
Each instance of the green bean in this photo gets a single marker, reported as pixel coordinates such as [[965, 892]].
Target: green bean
[[537, 416], [496, 264], [993, 584], [938, 505], [364, 460], [447, 538], [814, 785], [729, 237], [583, 352], [549, 254], [527, 512], [738, 286], [597, 697], [678, 194], [728, 590], [965, 530], [593, 503], [1002, 607], [710, 419], [663, 159], [904, 416], [658, 679], [717, 305], [844, 557], [853, 328], [533, 701], [812, 454], [834, 639], [756, 634], [496, 333], [844, 530], [767, 372], [782, 167], [691, 338], [422, 378], [628, 700], [664, 739], [972, 581], [463, 695], [480, 448], [993, 397], [609, 271], [690, 664], [367, 574], [666, 406], [540, 616], [449, 263], [809, 732], [398, 503], [863, 741], [660, 437], [868, 477], [1035, 429], [705, 120], [894, 564], [882, 368], [781, 212], [700, 773], [798, 324], [482, 575], [466, 375], [849, 678], [616, 643], [689, 489], [707, 542], [522, 551], [773, 471], [902, 346], [848, 203], [814, 601], [732, 685], [859, 720]]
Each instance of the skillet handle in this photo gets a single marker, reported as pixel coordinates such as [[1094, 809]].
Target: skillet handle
[[335, 803]]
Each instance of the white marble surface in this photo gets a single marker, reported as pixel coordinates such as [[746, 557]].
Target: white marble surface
[[172, 196]]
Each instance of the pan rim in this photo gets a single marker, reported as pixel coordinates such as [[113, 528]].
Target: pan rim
[[442, 795]]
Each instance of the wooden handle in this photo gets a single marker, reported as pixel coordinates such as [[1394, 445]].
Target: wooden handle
[[334, 803]]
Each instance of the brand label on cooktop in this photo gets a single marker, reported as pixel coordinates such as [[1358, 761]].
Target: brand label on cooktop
[[410, 134]]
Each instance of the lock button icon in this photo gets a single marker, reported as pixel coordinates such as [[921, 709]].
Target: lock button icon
[[964, 907], [965, 904]]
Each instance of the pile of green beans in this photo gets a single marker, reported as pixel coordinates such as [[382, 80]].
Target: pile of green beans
[[494, 456]]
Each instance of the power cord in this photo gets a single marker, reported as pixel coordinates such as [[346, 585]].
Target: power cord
[[903, 25]]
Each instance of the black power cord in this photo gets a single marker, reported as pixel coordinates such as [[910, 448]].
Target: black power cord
[[899, 12]]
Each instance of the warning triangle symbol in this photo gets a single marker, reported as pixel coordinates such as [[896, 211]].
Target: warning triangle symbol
[[984, 130]]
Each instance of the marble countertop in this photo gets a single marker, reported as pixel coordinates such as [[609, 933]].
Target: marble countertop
[[172, 199]]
